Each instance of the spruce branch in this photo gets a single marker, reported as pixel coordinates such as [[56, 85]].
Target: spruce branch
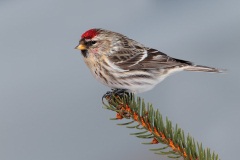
[[151, 125]]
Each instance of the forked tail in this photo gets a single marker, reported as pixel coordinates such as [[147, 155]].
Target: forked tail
[[199, 68]]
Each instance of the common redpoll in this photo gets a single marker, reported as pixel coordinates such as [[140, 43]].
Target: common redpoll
[[122, 63]]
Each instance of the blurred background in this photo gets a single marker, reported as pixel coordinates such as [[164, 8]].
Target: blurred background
[[50, 104]]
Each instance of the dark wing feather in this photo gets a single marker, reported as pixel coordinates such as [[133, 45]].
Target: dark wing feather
[[145, 58]]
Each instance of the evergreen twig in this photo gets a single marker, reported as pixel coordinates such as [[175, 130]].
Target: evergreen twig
[[151, 125]]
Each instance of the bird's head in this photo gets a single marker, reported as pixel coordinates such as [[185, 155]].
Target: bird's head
[[98, 42]]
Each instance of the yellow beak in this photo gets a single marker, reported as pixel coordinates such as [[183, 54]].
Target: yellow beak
[[81, 47]]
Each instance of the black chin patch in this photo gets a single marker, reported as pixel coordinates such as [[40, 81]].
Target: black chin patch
[[84, 53]]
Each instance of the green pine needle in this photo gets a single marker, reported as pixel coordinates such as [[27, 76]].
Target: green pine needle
[[151, 121]]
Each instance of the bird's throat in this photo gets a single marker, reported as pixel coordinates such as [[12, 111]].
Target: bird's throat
[[84, 53]]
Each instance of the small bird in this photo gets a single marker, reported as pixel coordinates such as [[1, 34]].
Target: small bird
[[125, 64]]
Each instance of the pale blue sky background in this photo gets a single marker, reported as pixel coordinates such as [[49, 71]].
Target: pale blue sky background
[[50, 105]]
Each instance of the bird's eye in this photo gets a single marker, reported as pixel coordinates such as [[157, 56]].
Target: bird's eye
[[93, 42], [90, 43]]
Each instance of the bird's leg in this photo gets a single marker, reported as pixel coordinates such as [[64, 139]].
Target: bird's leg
[[120, 92], [115, 92]]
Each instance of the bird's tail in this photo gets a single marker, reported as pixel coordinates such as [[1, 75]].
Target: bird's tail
[[199, 68]]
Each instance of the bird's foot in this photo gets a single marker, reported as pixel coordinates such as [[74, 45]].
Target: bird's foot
[[120, 92], [115, 92]]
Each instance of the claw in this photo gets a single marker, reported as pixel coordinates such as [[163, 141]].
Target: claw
[[106, 96], [116, 92]]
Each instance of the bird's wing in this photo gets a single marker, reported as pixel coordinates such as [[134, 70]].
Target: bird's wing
[[144, 58]]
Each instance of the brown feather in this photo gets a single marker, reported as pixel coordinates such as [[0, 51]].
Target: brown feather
[[130, 59]]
